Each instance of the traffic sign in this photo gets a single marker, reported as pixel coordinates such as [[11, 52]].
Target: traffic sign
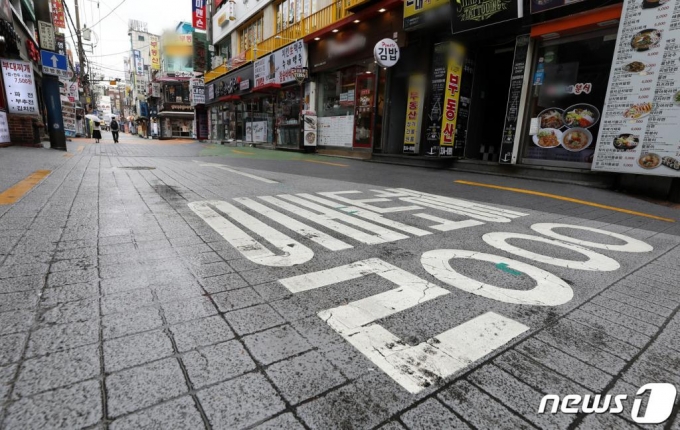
[[54, 64]]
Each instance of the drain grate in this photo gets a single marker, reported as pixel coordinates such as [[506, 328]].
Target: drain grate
[[137, 167]]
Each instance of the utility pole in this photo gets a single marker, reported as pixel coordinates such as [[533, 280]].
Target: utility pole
[[81, 56]]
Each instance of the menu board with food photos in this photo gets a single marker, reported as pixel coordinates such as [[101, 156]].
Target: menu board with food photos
[[641, 120]]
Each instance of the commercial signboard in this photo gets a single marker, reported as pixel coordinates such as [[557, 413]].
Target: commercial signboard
[[454, 76], [278, 66], [512, 112], [197, 88], [641, 115], [58, 18], [155, 52], [200, 44], [418, 13], [138, 62], [472, 14], [47, 38], [414, 112], [437, 90], [19, 87], [542, 5], [198, 16], [61, 43]]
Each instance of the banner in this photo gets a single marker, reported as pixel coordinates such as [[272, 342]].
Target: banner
[[414, 113], [278, 66], [155, 51], [454, 74], [20, 87], [138, 62], [198, 14], [512, 111], [58, 19], [200, 52], [437, 86], [641, 115]]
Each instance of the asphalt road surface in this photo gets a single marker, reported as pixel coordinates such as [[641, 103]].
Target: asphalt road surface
[[182, 285]]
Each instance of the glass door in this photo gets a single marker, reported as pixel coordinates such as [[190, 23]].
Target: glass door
[[364, 110]]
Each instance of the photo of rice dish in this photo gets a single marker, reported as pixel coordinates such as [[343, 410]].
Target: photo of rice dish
[[671, 162], [551, 118], [576, 139], [634, 67], [646, 39], [626, 142], [548, 138], [649, 161], [582, 115]]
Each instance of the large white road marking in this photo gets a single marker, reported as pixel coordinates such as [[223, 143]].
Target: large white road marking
[[414, 367], [366, 214], [323, 239], [631, 245], [549, 290], [238, 172], [448, 225], [292, 251], [595, 262], [364, 203]]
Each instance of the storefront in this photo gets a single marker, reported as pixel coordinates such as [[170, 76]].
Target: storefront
[[350, 86], [228, 110], [176, 121], [277, 100]]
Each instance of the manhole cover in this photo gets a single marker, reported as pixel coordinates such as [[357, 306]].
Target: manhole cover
[[137, 168]]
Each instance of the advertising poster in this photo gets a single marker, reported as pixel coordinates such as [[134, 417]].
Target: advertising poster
[[20, 87], [514, 98], [310, 130], [454, 75], [641, 117], [155, 51], [256, 131], [434, 110], [69, 115], [471, 14], [464, 107], [414, 113], [139, 63], [418, 13]]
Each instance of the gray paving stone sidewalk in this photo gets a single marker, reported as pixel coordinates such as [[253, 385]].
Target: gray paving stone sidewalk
[[120, 308]]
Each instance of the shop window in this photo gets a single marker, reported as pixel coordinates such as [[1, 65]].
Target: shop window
[[251, 34], [337, 92], [140, 38], [568, 88], [289, 12]]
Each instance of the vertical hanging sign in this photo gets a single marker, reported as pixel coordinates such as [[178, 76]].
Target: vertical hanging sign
[[434, 112], [414, 113], [198, 14], [200, 52], [155, 51], [513, 110], [454, 74], [57, 8]]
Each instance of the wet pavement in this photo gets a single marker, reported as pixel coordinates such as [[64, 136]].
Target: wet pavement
[[155, 284]]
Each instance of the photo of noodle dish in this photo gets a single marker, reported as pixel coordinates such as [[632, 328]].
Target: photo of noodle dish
[[649, 161], [551, 118], [548, 138], [626, 142], [577, 139], [582, 115]]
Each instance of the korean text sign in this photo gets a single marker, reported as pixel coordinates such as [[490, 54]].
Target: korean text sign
[[20, 87]]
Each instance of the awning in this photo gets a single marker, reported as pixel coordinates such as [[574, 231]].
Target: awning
[[173, 114], [229, 98], [267, 88]]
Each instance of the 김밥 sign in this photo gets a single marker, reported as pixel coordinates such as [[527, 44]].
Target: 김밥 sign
[[386, 53], [641, 118], [19, 87], [471, 14]]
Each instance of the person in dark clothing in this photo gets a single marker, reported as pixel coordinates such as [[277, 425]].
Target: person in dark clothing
[[97, 132], [115, 128]]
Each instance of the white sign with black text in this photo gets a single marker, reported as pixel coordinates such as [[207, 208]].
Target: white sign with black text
[[20, 87], [386, 53]]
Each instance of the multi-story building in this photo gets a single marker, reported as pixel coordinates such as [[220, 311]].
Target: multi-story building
[[138, 73]]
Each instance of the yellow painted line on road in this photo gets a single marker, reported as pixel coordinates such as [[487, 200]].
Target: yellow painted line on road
[[80, 148], [327, 163], [16, 192], [566, 199], [241, 152]]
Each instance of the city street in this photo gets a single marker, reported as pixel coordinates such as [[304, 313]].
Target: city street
[[176, 284]]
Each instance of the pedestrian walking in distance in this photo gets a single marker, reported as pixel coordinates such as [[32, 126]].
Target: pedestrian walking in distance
[[97, 132], [114, 129]]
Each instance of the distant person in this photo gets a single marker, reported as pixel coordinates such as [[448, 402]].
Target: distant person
[[115, 128], [97, 131]]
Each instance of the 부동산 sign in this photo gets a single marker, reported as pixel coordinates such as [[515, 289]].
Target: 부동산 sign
[[471, 14], [641, 116], [19, 87]]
